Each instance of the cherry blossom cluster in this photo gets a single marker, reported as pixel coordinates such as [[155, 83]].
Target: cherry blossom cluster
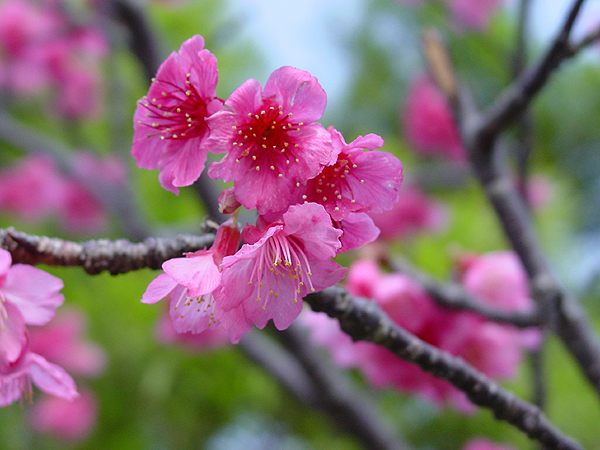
[[495, 349], [44, 46], [311, 189], [28, 296]]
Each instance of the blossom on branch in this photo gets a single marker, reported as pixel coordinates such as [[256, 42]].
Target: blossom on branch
[[271, 140], [170, 129], [28, 296], [279, 264]]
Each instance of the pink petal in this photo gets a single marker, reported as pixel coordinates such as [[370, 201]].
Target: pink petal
[[198, 273], [158, 289], [35, 292], [13, 335], [51, 378]]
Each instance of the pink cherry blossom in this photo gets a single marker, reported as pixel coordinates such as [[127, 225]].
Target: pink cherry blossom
[[170, 129], [414, 212], [358, 181], [190, 281], [267, 278], [62, 342], [16, 379], [70, 421], [484, 444], [271, 139], [474, 14], [499, 279], [31, 189], [358, 229], [428, 122], [492, 348]]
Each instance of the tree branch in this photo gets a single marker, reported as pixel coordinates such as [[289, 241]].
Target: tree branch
[[96, 256], [364, 320], [453, 295]]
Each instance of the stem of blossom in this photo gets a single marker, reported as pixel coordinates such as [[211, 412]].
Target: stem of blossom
[[96, 256], [453, 295], [351, 409], [364, 320], [207, 192]]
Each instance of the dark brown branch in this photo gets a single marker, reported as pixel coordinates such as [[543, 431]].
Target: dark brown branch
[[317, 383], [453, 295], [516, 98], [364, 320], [96, 256]]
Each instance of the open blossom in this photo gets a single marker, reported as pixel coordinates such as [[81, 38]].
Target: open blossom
[[28, 296], [170, 127], [428, 122], [271, 139], [268, 277], [189, 282], [358, 181]]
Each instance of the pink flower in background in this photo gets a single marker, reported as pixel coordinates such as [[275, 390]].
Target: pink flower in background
[[190, 282], [268, 277], [413, 213], [35, 190], [271, 139], [484, 444], [62, 342], [70, 421], [499, 279], [428, 122], [170, 129], [31, 189], [358, 181], [23, 27], [475, 14], [494, 349]]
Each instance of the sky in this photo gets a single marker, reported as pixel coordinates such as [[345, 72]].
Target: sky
[[307, 33]]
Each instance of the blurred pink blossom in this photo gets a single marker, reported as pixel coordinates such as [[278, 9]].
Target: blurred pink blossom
[[474, 14], [414, 212], [35, 190], [62, 341], [71, 421], [494, 349], [428, 122], [484, 444]]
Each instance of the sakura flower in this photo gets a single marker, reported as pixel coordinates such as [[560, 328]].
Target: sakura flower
[[16, 379], [428, 122], [170, 127], [189, 282], [62, 342], [484, 444], [268, 277], [474, 14], [414, 212], [358, 181], [271, 139], [68, 420], [358, 229], [28, 296]]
